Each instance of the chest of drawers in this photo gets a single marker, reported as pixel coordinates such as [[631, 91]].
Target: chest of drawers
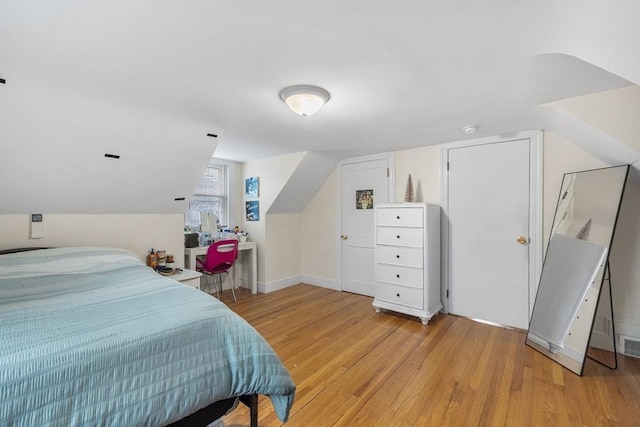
[[407, 254]]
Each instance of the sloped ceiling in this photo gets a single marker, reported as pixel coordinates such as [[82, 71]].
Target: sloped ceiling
[[148, 80], [303, 183], [616, 113]]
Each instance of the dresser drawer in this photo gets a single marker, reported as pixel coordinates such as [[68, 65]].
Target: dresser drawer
[[405, 217], [410, 297], [400, 236], [399, 275], [400, 255]]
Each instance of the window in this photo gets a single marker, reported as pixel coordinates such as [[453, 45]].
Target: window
[[211, 195]]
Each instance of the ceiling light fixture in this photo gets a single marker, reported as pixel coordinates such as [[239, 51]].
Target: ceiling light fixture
[[304, 99], [470, 128]]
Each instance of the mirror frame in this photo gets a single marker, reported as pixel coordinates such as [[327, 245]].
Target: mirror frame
[[602, 272]]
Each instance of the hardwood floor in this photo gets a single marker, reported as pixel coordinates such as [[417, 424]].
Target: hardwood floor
[[353, 367]]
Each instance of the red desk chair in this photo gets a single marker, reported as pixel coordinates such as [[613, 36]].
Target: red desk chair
[[220, 257]]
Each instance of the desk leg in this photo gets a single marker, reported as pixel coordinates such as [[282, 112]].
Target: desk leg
[[190, 262], [254, 271], [234, 283]]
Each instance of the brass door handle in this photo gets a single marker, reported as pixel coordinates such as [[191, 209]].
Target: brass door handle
[[522, 240], [344, 237]]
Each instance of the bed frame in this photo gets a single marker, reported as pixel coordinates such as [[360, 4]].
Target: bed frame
[[209, 414], [16, 250], [206, 415]]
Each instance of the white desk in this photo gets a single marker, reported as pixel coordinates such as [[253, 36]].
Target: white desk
[[190, 255]]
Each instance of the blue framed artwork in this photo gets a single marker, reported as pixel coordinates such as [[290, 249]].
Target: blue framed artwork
[[252, 186], [253, 210]]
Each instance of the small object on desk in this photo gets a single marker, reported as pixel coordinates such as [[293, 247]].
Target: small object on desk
[[165, 271], [191, 240], [169, 261], [152, 259], [161, 257]]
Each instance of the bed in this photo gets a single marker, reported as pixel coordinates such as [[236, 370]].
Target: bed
[[91, 336]]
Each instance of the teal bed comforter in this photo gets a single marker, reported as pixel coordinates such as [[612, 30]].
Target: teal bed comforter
[[91, 336]]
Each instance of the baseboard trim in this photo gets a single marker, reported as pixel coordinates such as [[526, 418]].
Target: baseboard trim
[[321, 282], [276, 285]]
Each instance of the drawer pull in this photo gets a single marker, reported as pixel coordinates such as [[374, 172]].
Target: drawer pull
[[398, 236], [398, 295], [398, 217], [398, 256], [398, 276]]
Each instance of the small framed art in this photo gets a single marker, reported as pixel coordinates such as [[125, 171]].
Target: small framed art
[[253, 210], [252, 186]]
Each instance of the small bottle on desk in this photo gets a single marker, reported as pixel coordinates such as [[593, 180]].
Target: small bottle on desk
[[152, 259]]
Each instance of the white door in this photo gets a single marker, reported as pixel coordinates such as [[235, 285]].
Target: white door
[[488, 235], [364, 184]]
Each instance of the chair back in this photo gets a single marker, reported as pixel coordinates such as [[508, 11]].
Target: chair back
[[221, 255]]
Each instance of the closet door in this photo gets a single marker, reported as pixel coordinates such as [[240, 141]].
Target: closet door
[[364, 184], [488, 212]]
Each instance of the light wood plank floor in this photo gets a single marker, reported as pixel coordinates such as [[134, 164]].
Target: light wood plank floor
[[353, 367]]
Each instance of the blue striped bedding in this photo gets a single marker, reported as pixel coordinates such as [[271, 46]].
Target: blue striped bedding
[[91, 336]]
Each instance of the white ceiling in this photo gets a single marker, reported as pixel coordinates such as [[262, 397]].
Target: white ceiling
[[155, 76]]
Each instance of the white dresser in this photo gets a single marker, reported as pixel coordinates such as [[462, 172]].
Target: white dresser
[[407, 254]]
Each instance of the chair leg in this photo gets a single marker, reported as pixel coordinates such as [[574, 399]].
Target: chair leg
[[215, 286], [206, 283], [233, 292], [219, 286], [230, 285]]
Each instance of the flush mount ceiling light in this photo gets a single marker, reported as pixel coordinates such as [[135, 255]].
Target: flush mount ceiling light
[[470, 128], [304, 99]]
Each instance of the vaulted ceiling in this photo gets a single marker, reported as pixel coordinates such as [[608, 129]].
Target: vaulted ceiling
[[148, 80]]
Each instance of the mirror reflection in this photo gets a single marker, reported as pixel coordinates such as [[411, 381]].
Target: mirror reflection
[[575, 264]]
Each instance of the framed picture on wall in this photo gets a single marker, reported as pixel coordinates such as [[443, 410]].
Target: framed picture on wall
[[252, 186], [253, 210]]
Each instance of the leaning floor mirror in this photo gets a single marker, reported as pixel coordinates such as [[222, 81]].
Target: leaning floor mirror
[[576, 264]]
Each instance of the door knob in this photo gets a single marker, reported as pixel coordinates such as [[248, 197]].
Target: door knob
[[522, 240], [344, 237]]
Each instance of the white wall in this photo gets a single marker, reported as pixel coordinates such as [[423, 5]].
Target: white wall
[[625, 261], [560, 157], [318, 228], [615, 112], [424, 166], [136, 232], [283, 251], [274, 173]]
